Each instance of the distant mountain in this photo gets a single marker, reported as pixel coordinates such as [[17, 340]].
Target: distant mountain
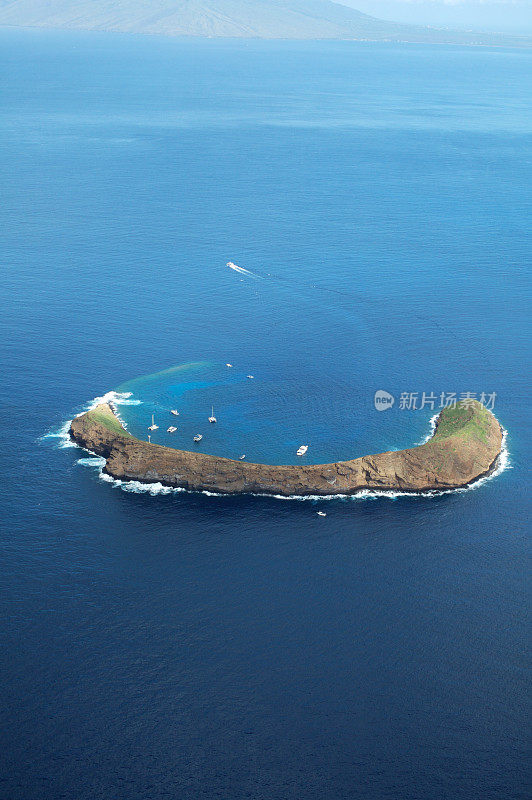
[[265, 19]]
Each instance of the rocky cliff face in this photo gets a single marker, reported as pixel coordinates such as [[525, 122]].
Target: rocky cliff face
[[465, 445]]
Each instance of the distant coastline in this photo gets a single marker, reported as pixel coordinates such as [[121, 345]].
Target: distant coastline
[[241, 19], [464, 447]]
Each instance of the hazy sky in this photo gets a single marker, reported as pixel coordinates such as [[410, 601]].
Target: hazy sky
[[502, 15]]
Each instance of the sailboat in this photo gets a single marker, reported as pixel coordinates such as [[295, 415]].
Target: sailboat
[[153, 426], [212, 418]]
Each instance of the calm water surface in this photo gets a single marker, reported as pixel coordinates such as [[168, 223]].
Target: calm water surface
[[199, 647]]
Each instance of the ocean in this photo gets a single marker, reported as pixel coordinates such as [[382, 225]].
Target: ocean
[[376, 198]]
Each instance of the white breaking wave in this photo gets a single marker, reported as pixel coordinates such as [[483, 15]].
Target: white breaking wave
[[430, 434], [93, 461], [113, 399], [62, 435]]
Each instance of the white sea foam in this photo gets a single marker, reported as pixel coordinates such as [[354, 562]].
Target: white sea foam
[[430, 434], [62, 435], [137, 487], [92, 461]]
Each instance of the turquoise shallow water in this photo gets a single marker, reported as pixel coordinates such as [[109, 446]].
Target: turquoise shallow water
[[196, 647]]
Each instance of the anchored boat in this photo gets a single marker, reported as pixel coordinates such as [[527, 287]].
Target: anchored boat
[[198, 437], [212, 418], [302, 450], [153, 426], [171, 429]]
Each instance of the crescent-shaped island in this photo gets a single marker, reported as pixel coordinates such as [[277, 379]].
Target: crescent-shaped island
[[465, 446]]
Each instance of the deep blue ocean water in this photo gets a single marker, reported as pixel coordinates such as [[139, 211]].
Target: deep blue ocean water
[[185, 646]]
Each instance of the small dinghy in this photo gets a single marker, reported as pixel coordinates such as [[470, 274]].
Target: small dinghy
[[321, 513], [212, 418], [171, 429], [174, 412], [198, 437], [153, 426], [302, 450]]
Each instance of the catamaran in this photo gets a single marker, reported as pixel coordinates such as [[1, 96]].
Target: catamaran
[[212, 418], [302, 450], [153, 426]]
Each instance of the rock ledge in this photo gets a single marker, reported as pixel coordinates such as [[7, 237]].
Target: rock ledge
[[465, 446]]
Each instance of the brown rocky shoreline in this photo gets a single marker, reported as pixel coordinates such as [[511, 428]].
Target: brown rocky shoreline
[[465, 446]]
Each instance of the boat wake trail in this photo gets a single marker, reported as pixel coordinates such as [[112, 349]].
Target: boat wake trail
[[241, 270]]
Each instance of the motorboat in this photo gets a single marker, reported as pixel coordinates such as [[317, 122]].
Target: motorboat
[[242, 457], [228, 365], [250, 376], [302, 450], [212, 418], [153, 426], [321, 513], [198, 437], [174, 412], [171, 429]]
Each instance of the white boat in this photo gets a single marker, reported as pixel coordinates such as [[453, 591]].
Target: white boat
[[198, 437], [171, 429], [212, 418], [321, 514], [153, 426], [228, 365], [242, 457], [302, 450], [174, 412], [250, 376]]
